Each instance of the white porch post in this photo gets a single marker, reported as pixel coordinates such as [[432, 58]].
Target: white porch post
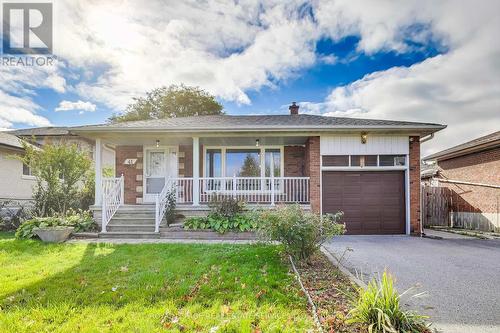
[[98, 172], [196, 171]]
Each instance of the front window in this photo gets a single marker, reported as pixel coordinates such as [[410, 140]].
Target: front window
[[243, 163], [273, 162], [213, 163]]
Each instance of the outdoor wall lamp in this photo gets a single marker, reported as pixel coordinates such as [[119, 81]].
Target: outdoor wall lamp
[[257, 143], [364, 137], [157, 143]]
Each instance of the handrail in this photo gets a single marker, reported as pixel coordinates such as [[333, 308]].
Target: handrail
[[162, 203], [112, 198]]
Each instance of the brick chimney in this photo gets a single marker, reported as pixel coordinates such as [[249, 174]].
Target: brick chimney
[[294, 108]]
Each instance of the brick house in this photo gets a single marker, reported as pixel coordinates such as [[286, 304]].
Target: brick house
[[369, 169], [472, 173]]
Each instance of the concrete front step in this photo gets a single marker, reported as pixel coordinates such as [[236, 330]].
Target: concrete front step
[[150, 215], [131, 227], [132, 220], [129, 235]]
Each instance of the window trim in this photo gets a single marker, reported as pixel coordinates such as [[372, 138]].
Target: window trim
[[24, 176], [262, 149], [350, 167]]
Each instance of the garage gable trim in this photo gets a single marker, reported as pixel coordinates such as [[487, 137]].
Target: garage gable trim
[[375, 145]]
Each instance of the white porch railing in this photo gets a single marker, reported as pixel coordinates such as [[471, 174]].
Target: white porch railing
[[112, 198], [259, 190], [265, 190]]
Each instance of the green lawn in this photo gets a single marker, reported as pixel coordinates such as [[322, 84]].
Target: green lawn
[[147, 288]]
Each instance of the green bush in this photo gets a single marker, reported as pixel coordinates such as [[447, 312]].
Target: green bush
[[378, 307], [240, 222], [60, 171], [302, 233], [80, 220], [226, 206]]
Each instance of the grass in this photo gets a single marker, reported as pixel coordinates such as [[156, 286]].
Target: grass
[[147, 288]]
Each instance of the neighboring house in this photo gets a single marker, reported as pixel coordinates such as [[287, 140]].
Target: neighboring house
[[61, 135], [16, 182], [472, 172], [369, 169]]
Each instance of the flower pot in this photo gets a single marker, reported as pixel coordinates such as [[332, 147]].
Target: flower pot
[[53, 234]]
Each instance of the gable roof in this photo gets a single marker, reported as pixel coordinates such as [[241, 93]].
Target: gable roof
[[485, 142], [257, 123], [42, 131], [10, 141]]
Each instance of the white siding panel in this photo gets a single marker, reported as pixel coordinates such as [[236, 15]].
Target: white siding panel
[[375, 144]]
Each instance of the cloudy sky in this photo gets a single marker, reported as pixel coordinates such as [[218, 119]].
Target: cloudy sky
[[430, 61]]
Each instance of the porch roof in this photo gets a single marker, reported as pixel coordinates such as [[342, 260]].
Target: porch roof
[[260, 123]]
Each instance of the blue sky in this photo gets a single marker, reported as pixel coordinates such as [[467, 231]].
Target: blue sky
[[312, 84], [418, 60]]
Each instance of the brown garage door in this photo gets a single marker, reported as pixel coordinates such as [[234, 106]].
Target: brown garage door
[[373, 202]]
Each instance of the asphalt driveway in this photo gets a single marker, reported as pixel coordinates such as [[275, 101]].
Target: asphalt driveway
[[461, 276]]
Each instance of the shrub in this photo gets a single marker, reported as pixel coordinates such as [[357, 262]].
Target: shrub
[[302, 233], [226, 207], [60, 172], [171, 204], [378, 307], [240, 222], [80, 220]]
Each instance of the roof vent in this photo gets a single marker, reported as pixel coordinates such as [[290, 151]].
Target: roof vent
[[294, 108]]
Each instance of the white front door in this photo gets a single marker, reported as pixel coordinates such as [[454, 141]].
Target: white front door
[[160, 164]]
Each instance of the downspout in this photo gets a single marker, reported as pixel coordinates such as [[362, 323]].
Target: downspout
[[422, 140]]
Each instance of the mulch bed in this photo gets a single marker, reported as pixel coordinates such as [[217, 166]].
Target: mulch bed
[[330, 291]]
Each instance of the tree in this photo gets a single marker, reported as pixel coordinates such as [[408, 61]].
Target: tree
[[170, 102], [250, 167], [60, 172]]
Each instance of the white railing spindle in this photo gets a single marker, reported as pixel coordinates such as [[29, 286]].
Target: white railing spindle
[[112, 197]]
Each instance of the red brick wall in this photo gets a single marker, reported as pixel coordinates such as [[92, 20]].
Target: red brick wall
[[312, 170], [132, 173], [481, 167], [186, 161], [414, 184], [294, 161]]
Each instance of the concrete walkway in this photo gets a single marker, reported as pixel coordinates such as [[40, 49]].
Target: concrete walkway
[[460, 275], [160, 241], [446, 235]]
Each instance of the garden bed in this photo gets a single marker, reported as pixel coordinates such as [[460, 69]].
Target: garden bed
[[330, 291]]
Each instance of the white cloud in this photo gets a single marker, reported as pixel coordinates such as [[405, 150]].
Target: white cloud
[[114, 50], [17, 89], [460, 88], [79, 105], [330, 59]]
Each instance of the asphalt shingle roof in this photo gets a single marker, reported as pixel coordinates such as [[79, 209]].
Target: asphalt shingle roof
[[481, 141], [228, 122], [41, 131], [7, 139]]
